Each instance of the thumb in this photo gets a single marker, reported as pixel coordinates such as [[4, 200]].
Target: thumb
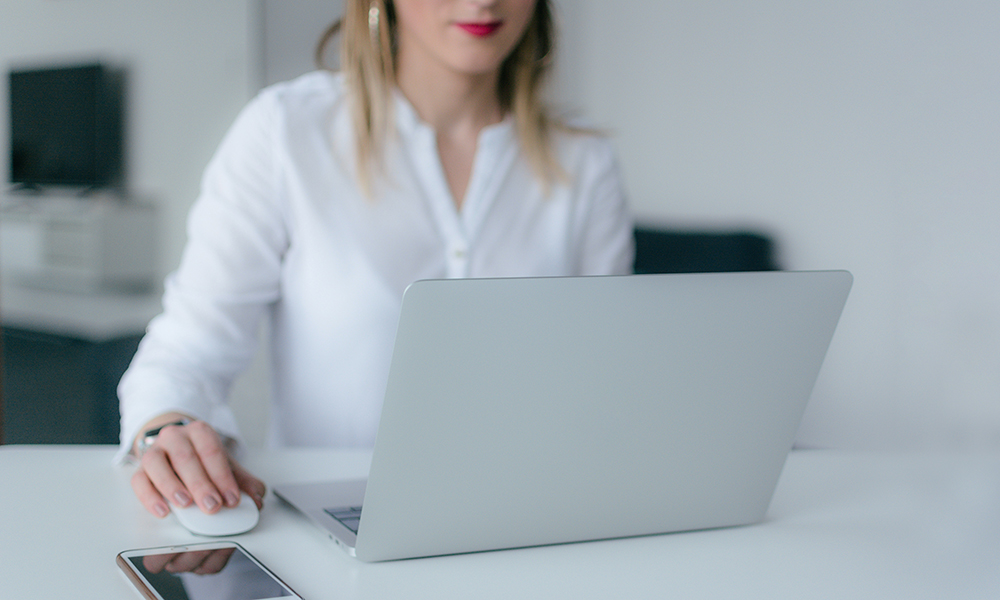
[[250, 484]]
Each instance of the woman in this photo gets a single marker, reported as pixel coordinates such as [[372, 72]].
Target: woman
[[429, 156]]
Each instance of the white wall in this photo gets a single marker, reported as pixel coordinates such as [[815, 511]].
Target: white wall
[[290, 30], [865, 135]]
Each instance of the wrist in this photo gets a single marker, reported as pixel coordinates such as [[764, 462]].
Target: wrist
[[149, 431]]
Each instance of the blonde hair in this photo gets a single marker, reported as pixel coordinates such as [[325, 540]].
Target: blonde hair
[[367, 56]]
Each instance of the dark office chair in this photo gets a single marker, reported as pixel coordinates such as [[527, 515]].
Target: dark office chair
[[673, 251], [1, 387]]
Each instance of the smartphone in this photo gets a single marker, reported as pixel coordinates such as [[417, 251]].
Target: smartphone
[[202, 571]]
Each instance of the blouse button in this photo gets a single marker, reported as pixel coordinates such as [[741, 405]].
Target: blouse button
[[458, 263]]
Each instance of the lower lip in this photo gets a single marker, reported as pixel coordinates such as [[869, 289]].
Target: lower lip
[[480, 29]]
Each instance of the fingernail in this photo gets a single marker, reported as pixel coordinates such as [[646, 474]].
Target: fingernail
[[182, 499], [211, 502], [160, 510], [232, 499]]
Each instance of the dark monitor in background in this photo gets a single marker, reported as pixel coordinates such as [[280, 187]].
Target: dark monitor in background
[[66, 127]]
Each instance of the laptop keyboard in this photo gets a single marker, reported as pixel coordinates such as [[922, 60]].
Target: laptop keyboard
[[348, 516]]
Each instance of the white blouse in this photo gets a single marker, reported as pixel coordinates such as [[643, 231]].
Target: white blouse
[[282, 231]]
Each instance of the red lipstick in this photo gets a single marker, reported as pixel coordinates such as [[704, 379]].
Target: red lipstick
[[480, 29]]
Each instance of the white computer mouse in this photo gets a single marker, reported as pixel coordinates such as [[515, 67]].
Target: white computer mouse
[[228, 521]]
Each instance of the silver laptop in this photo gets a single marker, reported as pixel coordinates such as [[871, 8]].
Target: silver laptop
[[523, 412]]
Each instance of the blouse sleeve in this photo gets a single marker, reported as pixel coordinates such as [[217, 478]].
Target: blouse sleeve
[[228, 276], [607, 244]]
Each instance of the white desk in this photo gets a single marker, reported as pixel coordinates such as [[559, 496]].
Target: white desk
[[841, 525]]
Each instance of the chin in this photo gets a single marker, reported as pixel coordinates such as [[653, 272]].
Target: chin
[[478, 66]]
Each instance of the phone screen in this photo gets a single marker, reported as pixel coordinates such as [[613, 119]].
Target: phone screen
[[211, 571]]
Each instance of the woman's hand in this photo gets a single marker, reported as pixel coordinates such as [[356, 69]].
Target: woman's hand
[[189, 463]]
